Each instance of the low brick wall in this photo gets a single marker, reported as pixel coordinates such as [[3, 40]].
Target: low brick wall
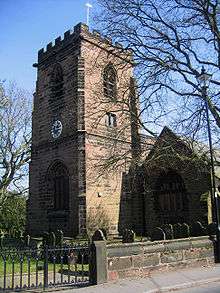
[[140, 259]]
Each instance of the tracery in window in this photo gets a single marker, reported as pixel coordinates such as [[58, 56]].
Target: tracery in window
[[110, 82]]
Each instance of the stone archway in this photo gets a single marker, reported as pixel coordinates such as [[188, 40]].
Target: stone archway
[[58, 190], [170, 198], [59, 181]]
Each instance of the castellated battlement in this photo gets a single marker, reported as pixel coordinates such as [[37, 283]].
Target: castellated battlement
[[81, 30]]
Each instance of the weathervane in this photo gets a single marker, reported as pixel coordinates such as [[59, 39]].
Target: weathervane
[[88, 5]]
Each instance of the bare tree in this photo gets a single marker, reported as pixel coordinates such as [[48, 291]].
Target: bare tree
[[15, 137], [171, 41]]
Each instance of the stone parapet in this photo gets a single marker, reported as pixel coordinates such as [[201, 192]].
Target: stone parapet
[[80, 30]]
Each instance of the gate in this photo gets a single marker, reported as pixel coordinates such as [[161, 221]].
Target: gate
[[44, 267]]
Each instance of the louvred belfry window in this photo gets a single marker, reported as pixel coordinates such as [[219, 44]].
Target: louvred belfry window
[[56, 86], [111, 120], [110, 82]]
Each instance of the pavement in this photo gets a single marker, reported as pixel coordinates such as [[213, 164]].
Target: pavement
[[158, 282]]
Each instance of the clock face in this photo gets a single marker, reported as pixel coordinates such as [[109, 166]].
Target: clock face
[[56, 129]]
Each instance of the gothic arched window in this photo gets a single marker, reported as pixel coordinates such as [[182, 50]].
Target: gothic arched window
[[59, 181], [110, 82], [56, 85]]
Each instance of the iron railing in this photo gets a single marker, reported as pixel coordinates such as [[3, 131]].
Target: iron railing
[[44, 267]]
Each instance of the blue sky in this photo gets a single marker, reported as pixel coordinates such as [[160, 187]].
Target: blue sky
[[27, 26]]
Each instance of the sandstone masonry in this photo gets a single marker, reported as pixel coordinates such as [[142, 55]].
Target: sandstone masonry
[[77, 131]]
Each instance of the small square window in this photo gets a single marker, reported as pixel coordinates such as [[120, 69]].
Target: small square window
[[111, 120]]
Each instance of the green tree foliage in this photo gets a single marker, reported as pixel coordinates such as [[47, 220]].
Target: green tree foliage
[[13, 215]]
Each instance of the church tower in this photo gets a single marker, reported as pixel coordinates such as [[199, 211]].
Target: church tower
[[81, 134]]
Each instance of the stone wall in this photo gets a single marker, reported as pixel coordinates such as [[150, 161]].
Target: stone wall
[[142, 258]]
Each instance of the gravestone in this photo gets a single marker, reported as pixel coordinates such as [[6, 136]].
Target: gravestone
[[45, 238], [98, 236], [158, 234], [197, 229], [52, 239], [177, 231], [128, 236], [168, 230], [59, 238], [185, 230], [104, 232]]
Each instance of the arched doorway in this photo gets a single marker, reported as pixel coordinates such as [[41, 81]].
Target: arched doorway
[[58, 189], [170, 198], [59, 181]]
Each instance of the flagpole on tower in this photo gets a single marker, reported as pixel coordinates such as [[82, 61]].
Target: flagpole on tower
[[89, 6]]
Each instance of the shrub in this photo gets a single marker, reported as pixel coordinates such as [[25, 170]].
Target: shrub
[[13, 215], [97, 218]]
